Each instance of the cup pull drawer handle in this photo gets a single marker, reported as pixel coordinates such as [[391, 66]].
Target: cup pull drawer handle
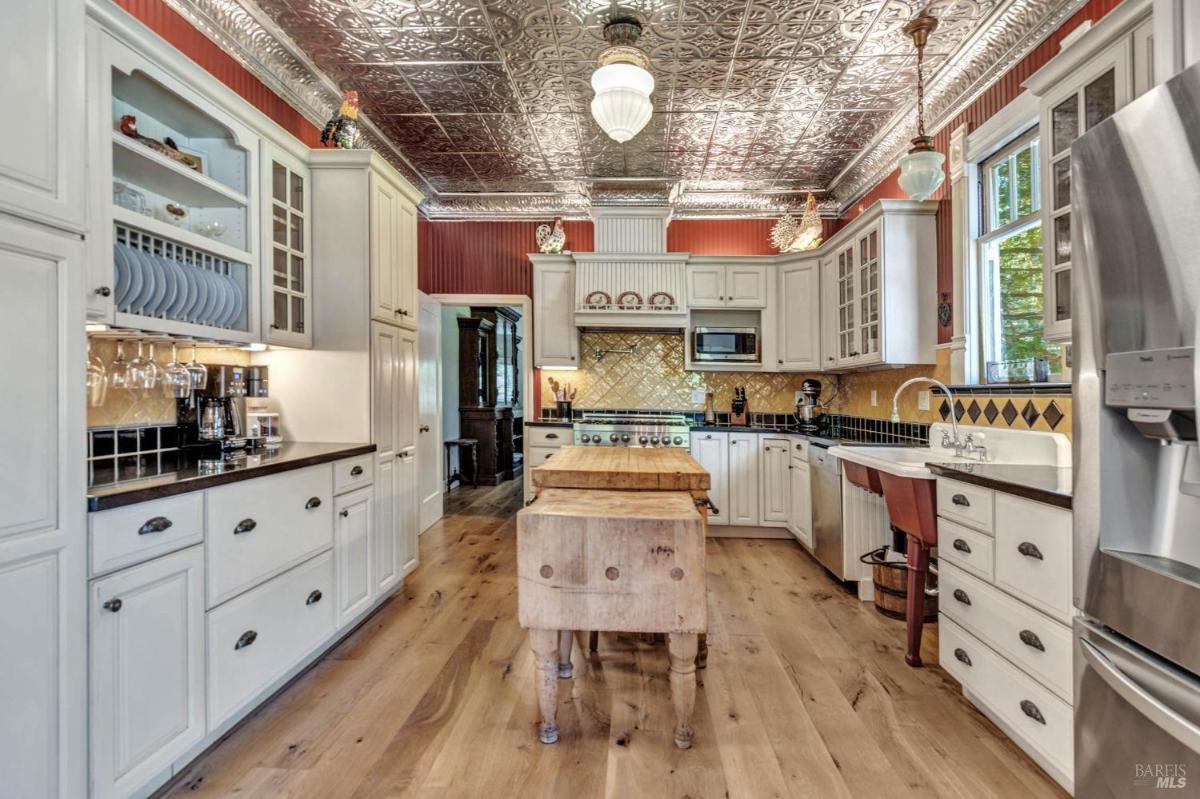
[[961, 596], [313, 502], [245, 526], [552, 435], [961, 656], [961, 500], [1030, 639], [245, 639], [155, 525], [313, 598], [356, 471], [962, 546], [1031, 710], [1030, 550]]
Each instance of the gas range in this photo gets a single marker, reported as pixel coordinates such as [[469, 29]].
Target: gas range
[[631, 430]]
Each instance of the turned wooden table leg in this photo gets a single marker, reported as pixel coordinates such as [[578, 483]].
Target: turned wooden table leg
[[918, 568], [565, 667], [702, 651], [545, 671], [594, 641], [682, 649]]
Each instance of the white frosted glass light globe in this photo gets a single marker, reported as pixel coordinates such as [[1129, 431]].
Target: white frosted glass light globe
[[921, 173], [622, 104]]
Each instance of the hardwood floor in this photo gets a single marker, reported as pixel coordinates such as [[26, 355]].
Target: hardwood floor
[[806, 695]]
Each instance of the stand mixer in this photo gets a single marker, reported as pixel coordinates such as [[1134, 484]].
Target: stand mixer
[[808, 408]]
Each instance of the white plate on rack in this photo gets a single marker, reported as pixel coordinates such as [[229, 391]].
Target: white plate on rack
[[121, 264], [193, 292], [170, 285], [196, 311], [144, 281], [209, 314], [160, 284], [173, 306], [231, 305], [239, 303], [135, 280], [229, 300]]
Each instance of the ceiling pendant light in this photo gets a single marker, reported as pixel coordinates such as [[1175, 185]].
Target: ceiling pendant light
[[623, 83], [921, 169]]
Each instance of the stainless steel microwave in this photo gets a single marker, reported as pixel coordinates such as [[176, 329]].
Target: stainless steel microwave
[[733, 344]]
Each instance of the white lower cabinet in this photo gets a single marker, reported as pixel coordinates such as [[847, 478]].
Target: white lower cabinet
[[147, 670], [711, 451], [407, 512], [800, 518], [743, 479], [352, 523], [256, 637], [384, 562], [774, 481]]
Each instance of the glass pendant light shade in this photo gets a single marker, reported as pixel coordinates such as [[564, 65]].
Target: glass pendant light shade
[[622, 104], [921, 173]]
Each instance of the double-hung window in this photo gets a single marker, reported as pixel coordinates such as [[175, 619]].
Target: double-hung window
[[1012, 295]]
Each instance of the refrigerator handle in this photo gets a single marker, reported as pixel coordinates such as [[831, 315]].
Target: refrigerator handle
[[1164, 717]]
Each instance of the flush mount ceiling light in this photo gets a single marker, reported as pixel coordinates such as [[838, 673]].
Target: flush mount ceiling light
[[622, 84], [921, 169]]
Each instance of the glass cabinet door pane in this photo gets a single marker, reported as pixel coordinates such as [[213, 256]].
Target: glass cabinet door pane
[[297, 314], [280, 268], [297, 273], [1062, 295], [279, 226], [1062, 183], [280, 310], [1099, 99], [1064, 123], [279, 176], [1062, 239], [297, 200], [297, 226]]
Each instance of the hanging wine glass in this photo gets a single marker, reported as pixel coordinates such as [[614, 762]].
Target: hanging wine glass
[[177, 380], [119, 373], [97, 378], [137, 368], [153, 374], [198, 371]]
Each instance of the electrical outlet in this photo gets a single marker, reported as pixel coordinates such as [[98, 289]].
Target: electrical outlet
[[923, 400], [698, 396], [874, 398]]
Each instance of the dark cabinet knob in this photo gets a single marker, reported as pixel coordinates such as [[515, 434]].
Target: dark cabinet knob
[[962, 546], [961, 656], [1031, 710], [155, 525], [961, 596], [1030, 639], [1030, 550], [104, 291], [356, 471], [961, 501], [244, 526], [313, 502], [344, 513], [313, 598], [552, 435], [113, 605], [423, 428], [245, 639]]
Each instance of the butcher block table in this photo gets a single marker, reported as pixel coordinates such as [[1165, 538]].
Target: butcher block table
[[614, 540]]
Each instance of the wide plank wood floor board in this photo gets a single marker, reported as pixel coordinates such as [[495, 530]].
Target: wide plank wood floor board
[[806, 695]]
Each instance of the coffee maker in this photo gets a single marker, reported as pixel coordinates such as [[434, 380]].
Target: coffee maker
[[214, 418]]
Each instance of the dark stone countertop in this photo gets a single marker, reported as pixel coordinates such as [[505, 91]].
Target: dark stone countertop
[[548, 423], [822, 439], [193, 474], [1049, 484]]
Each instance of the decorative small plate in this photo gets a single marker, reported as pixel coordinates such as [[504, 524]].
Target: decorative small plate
[[598, 299], [661, 299], [629, 301]]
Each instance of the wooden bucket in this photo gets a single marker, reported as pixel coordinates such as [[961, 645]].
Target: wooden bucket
[[891, 586]]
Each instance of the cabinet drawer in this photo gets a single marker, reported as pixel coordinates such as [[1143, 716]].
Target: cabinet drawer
[[1033, 641], [962, 546], [1033, 554], [538, 436], [254, 639], [353, 473], [258, 528], [124, 536], [1043, 721], [799, 449], [536, 456], [965, 503]]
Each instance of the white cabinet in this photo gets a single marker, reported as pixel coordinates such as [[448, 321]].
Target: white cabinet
[[42, 152], [147, 670], [43, 540], [799, 313], [743, 479], [555, 338], [726, 282], [800, 516], [711, 451], [773, 480], [287, 247], [407, 513], [829, 314], [352, 523], [393, 252]]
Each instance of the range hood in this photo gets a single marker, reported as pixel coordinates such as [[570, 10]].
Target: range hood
[[631, 281]]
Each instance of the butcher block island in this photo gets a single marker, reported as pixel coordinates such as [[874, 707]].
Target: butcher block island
[[614, 540]]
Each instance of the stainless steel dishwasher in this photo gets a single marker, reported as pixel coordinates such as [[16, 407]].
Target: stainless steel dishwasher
[[826, 476]]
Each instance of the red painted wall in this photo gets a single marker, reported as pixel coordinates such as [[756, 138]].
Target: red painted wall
[[156, 15], [995, 97], [728, 236]]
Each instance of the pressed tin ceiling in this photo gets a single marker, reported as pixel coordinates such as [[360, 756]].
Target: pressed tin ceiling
[[485, 103]]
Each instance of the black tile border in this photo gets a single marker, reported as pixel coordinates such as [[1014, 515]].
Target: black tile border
[[1013, 390]]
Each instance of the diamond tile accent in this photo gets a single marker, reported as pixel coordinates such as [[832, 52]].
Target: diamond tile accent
[[958, 410], [944, 410], [990, 412], [973, 411], [1053, 415], [1009, 412], [1030, 413]]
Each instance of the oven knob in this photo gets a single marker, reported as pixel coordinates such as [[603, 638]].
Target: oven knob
[[654, 440], [642, 440], [612, 437], [677, 440], [585, 438], [624, 438]]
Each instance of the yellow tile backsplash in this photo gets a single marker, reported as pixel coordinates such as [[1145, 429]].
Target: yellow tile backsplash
[[123, 407]]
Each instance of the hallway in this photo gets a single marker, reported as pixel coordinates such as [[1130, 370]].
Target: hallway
[[805, 695]]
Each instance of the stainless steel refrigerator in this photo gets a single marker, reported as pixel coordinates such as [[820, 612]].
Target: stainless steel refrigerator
[[1136, 254]]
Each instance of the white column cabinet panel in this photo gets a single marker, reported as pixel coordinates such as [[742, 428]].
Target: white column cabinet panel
[[43, 538], [353, 520], [800, 518], [42, 150], [774, 486], [385, 249], [385, 411], [406, 408], [147, 670], [745, 286], [743, 479], [711, 451], [406, 275], [799, 346], [706, 286], [407, 510], [555, 338]]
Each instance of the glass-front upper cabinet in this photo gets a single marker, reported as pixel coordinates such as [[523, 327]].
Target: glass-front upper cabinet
[[868, 294], [847, 328], [287, 265]]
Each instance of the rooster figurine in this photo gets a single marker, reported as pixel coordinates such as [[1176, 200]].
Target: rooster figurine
[[342, 129]]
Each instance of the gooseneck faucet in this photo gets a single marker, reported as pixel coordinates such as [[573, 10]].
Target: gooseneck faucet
[[957, 443]]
